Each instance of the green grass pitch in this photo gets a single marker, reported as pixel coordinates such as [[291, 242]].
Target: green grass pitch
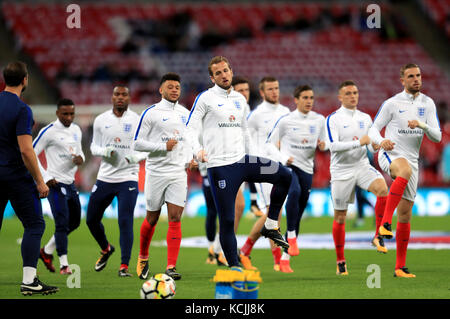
[[314, 270]]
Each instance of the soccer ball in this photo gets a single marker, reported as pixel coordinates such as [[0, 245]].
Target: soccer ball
[[160, 286]]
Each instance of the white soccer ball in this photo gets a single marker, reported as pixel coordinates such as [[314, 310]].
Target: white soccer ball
[[160, 286]]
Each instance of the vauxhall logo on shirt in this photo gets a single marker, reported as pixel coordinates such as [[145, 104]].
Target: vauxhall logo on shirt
[[231, 122]]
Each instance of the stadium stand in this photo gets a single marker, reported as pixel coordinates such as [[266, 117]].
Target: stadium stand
[[439, 11], [307, 42]]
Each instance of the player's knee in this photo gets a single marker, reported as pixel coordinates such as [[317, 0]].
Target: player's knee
[[285, 175], [36, 228], [402, 169], [240, 207], [381, 190], [339, 216], [405, 172], [294, 193]]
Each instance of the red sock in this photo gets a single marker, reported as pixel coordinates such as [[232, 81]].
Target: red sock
[[173, 243], [402, 239], [339, 240], [276, 252], [393, 198], [247, 248], [122, 266], [380, 207], [146, 235]]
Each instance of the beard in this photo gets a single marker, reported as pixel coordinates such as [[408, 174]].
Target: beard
[[413, 90], [227, 87], [270, 100], [24, 88]]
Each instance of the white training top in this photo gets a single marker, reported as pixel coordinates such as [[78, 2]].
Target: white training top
[[344, 129], [221, 119], [298, 134], [261, 122], [60, 145], [158, 124], [116, 133], [395, 113]]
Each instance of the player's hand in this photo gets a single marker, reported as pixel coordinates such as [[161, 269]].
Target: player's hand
[[290, 161], [171, 144], [387, 145], [375, 146], [193, 165], [42, 189], [415, 123], [77, 159], [109, 152], [321, 145], [52, 183], [202, 156], [365, 140], [132, 159]]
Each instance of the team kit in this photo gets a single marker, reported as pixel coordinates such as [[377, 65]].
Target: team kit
[[271, 149]]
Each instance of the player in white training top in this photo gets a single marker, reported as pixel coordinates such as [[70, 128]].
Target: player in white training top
[[299, 134], [219, 113], [118, 176], [61, 143], [407, 116], [161, 133], [347, 130]]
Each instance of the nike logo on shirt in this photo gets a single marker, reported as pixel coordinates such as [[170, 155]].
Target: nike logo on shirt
[[131, 188], [400, 111], [165, 119], [219, 104]]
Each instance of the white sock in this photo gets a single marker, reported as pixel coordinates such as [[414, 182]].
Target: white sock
[[271, 224], [285, 256], [253, 196], [217, 247], [63, 261], [51, 246], [291, 234], [28, 275]]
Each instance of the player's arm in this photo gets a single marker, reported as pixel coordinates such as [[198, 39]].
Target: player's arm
[[273, 139], [372, 146], [24, 140], [252, 125], [40, 143], [142, 137], [193, 126], [383, 117], [31, 163], [322, 142], [333, 137], [249, 146], [97, 149], [431, 127], [78, 158]]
